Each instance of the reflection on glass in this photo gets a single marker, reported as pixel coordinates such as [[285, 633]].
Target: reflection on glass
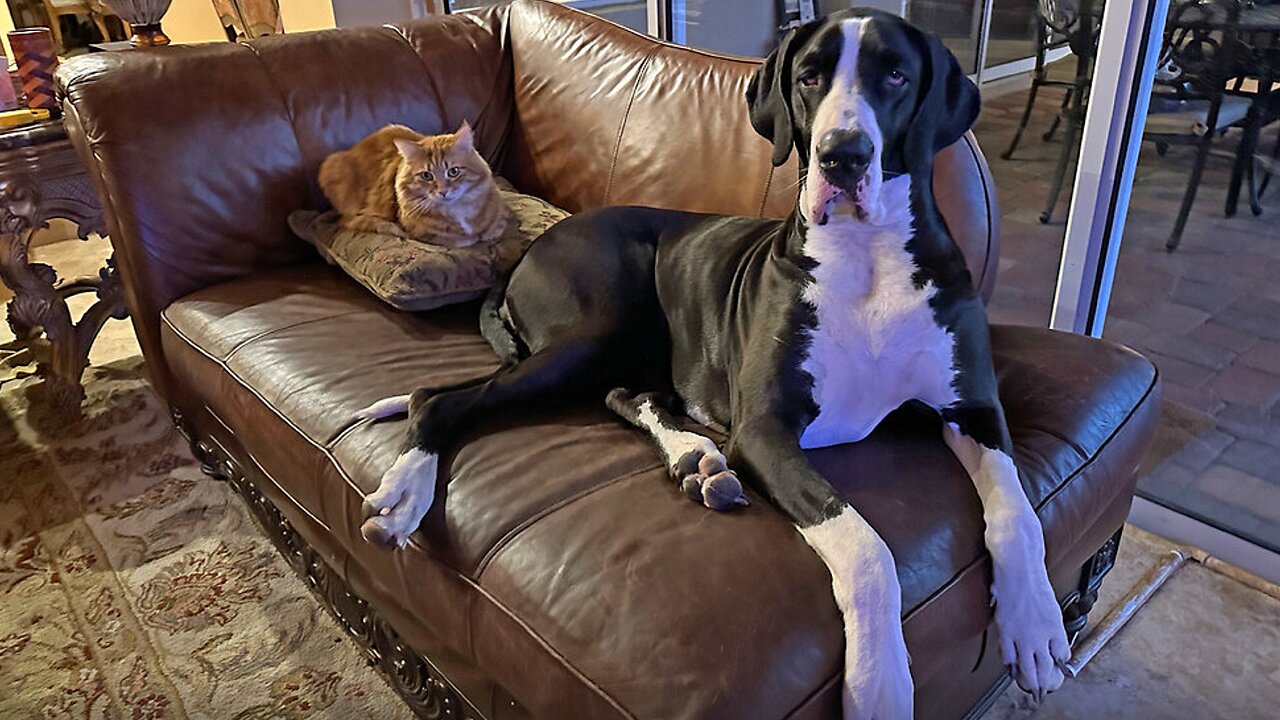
[[730, 26], [1206, 310], [957, 22], [1013, 30], [630, 14]]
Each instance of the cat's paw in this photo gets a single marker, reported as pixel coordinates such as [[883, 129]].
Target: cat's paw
[[386, 227]]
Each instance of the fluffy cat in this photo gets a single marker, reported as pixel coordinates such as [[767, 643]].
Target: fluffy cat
[[435, 188]]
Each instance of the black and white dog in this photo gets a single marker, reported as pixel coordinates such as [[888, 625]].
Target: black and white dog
[[788, 335]]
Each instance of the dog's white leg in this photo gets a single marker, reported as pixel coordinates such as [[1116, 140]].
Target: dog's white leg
[[384, 408], [1033, 641], [877, 679], [396, 508]]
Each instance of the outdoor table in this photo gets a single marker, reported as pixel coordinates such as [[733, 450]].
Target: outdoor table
[[1257, 32]]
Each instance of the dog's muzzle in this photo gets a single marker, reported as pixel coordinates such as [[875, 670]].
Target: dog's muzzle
[[844, 158]]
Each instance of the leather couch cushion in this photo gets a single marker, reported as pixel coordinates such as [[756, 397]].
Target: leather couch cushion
[[565, 520]]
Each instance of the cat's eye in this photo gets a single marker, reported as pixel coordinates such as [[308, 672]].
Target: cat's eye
[[426, 176], [454, 172]]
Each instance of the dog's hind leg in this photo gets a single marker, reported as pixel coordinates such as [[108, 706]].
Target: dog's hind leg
[[692, 459], [399, 404], [407, 490]]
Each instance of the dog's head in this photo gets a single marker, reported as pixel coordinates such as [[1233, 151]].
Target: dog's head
[[862, 95]]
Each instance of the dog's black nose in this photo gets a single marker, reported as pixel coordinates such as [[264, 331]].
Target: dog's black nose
[[844, 155]]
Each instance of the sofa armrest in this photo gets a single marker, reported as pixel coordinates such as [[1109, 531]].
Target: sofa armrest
[[1076, 406]]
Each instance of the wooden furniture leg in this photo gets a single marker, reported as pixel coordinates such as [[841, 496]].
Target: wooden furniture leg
[[40, 302]]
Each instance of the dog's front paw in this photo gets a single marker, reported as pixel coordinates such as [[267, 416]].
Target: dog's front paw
[[396, 508], [707, 479], [1033, 641]]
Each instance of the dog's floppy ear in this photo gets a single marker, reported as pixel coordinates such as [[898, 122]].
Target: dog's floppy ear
[[947, 108], [769, 98]]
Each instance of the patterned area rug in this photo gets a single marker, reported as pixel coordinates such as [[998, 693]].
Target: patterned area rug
[[132, 586]]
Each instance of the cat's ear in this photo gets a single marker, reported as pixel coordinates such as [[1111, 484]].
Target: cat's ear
[[409, 150], [463, 137]]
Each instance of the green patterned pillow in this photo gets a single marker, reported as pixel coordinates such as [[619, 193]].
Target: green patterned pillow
[[417, 276]]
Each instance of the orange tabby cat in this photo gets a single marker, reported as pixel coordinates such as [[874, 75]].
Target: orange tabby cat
[[435, 188]]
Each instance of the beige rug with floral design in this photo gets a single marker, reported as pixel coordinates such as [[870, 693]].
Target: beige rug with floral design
[[132, 586]]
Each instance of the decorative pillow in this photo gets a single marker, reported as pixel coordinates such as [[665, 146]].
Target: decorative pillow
[[415, 276]]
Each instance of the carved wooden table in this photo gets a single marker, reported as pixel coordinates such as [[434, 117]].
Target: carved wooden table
[[42, 178]]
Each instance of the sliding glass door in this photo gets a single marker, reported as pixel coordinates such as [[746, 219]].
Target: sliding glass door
[[958, 22], [634, 14]]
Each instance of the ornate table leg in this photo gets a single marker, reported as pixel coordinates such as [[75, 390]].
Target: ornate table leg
[[39, 303]]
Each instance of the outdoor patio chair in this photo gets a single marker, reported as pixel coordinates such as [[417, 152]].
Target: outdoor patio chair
[[1062, 23], [1194, 98]]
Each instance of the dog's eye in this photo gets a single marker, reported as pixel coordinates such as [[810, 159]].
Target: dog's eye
[[426, 176], [453, 172], [810, 79], [895, 78]]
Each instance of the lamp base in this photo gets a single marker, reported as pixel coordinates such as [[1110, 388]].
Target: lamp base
[[148, 35]]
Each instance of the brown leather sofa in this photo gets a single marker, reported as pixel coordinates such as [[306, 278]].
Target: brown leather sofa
[[561, 575]]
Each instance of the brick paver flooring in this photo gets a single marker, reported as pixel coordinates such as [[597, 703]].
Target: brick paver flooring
[[1208, 314]]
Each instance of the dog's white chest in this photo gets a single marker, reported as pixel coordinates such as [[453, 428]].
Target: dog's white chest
[[876, 344]]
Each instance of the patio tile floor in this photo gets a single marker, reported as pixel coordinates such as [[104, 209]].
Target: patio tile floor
[[1208, 314]]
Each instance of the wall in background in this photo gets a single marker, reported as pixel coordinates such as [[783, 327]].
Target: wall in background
[[348, 13], [6, 24], [190, 21], [300, 15]]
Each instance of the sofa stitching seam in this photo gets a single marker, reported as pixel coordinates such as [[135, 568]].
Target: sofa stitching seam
[[1155, 378], [551, 650], [398, 32], [835, 677], [281, 96], [272, 331], [622, 126], [768, 182], [510, 536], [986, 194], [984, 556]]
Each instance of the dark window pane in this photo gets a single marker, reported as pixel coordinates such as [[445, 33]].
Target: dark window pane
[[957, 22], [630, 14]]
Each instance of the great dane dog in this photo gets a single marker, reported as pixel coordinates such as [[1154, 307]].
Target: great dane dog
[[787, 335]]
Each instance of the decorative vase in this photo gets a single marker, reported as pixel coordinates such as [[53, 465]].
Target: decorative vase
[[33, 52], [8, 93], [143, 17]]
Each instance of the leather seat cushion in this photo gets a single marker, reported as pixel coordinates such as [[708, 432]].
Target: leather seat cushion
[[565, 519]]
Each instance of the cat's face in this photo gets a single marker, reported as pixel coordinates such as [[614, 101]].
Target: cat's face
[[439, 169]]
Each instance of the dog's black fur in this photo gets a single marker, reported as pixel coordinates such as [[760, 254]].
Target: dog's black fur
[[709, 307]]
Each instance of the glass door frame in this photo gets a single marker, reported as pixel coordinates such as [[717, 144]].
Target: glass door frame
[[1128, 51]]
